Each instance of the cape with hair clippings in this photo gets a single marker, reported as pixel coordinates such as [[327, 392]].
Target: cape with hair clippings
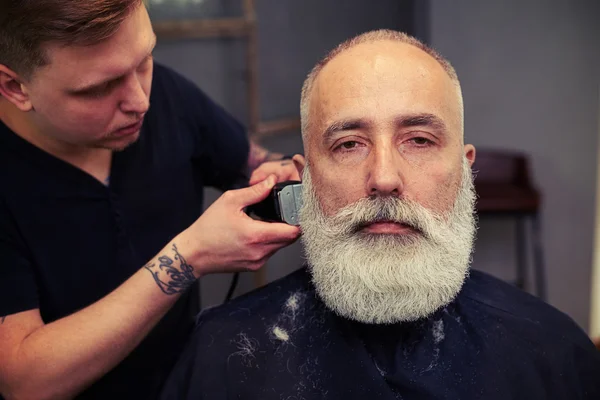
[[281, 342]]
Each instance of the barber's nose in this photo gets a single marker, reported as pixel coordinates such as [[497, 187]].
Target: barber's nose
[[385, 177], [136, 99]]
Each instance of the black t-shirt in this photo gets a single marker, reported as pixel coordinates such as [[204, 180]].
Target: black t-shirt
[[493, 342], [67, 240]]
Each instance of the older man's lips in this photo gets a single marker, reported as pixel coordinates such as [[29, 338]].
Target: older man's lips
[[388, 227]]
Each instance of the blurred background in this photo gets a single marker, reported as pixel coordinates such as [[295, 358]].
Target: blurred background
[[530, 74]]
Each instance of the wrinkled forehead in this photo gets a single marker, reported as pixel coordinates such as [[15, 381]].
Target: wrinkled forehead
[[384, 78]]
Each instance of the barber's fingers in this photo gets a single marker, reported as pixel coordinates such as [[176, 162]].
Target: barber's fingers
[[285, 170], [264, 170], [276, 233], [258, 176], [242, 198]]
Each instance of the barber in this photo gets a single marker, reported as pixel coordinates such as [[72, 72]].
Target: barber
[[102, 235]]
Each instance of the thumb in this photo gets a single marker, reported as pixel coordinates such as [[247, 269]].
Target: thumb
[[256, 193]]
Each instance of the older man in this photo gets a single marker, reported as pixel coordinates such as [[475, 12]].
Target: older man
[[386, 307]]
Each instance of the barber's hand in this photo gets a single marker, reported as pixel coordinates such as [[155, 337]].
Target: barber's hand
[[285, 170], [226, 239]]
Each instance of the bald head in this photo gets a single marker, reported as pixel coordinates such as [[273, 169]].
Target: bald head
[[374, 64]]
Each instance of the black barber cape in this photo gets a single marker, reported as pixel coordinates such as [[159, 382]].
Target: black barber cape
[[67, 240], [280, 342]]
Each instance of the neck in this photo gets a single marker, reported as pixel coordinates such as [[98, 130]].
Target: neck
[[94, 161]]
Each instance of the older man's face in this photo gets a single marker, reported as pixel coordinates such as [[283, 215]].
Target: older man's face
[[385, 119], [387, 220]]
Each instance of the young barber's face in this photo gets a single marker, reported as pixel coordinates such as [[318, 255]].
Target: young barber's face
[[385, 121], [96, 96]]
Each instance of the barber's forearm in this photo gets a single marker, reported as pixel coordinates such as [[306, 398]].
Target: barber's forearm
[[259, 155], [61, 359]]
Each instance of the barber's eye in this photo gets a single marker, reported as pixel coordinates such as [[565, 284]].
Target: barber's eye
[[147, 63], [100, 91]]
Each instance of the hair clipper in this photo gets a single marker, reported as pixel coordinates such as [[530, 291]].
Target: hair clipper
[[281, 205]]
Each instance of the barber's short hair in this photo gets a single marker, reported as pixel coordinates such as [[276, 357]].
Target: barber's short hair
[[27, 25], [368, 37]]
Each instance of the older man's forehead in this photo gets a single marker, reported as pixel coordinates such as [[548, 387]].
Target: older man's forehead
[[372, 54], [382, 69], [348, 78]]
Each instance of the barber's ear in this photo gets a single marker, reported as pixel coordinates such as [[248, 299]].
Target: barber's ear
[[299, 163], [470, 153], [13, 90]]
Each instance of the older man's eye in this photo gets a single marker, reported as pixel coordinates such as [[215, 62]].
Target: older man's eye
[[349, 145], [421, 141]]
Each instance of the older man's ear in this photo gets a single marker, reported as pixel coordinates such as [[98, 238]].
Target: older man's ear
[[470, 153], [299, 163]]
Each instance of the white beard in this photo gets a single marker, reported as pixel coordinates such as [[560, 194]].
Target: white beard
[[376, 278]]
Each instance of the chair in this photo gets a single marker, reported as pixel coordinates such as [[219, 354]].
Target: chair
[[504, 189]]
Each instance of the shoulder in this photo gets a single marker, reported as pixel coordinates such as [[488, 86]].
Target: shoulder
[[523, 313], [167, 82], [166, 75], [259, 318], [5, 212], [11, 165], [237, 329], [169, 90], [181, 96], [253, 310], [12, 187]]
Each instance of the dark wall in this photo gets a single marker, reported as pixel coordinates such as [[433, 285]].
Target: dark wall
[[530, 73]]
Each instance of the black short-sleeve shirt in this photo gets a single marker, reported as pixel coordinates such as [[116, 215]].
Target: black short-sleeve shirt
[[67, 240]]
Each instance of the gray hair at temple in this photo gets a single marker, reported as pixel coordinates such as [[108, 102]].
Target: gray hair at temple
[[368, 37]]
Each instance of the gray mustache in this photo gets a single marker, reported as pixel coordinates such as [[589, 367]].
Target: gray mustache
[[356, 216]]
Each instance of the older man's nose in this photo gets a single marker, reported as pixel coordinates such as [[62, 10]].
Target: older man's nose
[[385, 178]]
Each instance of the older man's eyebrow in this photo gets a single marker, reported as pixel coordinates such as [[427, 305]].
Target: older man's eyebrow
[[425, 120], [345, 125]]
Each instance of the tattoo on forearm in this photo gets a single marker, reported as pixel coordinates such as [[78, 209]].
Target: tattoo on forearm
[[169, 278], [2, 319]]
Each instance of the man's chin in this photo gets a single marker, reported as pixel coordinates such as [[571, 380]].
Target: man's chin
[[363, 300], [383, 278], [388, 240]]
